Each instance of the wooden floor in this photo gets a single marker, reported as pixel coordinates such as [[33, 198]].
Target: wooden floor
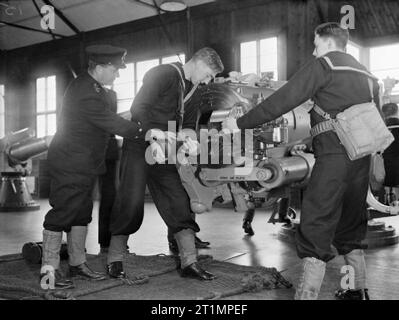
[[222, 227]]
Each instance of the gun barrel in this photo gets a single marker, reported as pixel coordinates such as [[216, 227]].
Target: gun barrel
[[29, 148]]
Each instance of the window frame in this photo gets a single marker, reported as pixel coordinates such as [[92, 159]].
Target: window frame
[[280, 54], [135, 81], [46, 112], [2, 110]]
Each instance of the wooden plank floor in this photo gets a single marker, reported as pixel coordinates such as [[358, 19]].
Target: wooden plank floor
[[222, 227]]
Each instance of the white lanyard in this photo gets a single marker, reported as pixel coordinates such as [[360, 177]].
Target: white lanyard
[[188, 96]]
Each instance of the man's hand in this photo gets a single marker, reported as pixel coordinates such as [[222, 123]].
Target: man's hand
[[159, 135], [229, 125], [191, 146]]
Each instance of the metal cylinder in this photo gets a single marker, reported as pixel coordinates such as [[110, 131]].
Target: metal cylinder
[[287, 170], [29, 148], [16, 136]]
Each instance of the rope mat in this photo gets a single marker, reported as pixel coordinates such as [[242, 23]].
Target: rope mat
[[155, 278]]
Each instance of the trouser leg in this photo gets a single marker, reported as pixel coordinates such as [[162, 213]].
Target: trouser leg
[[186, 243], [311, 278], [107, 184], [170, 198], [128, 209], [76, 239], [70, 199], [117, 248]]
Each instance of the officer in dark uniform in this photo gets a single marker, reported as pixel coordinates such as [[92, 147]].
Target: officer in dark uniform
[[334, 204], [158, 101], [76, 158]]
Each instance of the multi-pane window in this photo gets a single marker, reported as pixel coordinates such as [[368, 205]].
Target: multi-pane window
[[131, 79], [259, 56], [2, 111], [384, 62], [46, 121], [169, 59]]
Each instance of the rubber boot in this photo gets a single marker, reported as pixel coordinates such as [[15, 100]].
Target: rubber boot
[[50, 275], [311, 279], [51, 248]]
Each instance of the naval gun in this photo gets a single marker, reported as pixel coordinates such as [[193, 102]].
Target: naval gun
[[16, 151], [267, 163]]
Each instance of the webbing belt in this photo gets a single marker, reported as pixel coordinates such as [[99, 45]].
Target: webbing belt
[[321, 127]]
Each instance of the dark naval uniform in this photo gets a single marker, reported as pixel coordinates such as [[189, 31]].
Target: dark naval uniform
[[77, 152], [155, 104], [334, 204], [391, 156], [107, 184]]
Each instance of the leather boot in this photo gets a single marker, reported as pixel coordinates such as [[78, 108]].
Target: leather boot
[[349, 294], [78, 267], [311, 279], [199, 244], [188, 256], [195, 271], [247, 221], [83, 271], [115, 270]]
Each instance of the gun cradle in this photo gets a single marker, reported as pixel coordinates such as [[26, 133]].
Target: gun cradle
[[265, 165]]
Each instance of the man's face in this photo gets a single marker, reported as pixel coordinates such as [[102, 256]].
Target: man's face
[[322, 45], [108, 74], [202, 73]]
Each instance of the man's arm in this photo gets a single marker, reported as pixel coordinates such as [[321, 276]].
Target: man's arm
[[95, 111], [301, 87]]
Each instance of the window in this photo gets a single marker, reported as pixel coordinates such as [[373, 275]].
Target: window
[[124, 87], [141, 69], [2, 111], [259, 56], [131, 79], [384, 63], [46, 122], [169, 59], [354, 50]]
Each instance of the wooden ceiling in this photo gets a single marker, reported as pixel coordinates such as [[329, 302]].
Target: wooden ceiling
[[374, 19]]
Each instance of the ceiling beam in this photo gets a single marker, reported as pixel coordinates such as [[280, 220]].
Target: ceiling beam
[[29, 28], [149, 5], [62, 17]]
